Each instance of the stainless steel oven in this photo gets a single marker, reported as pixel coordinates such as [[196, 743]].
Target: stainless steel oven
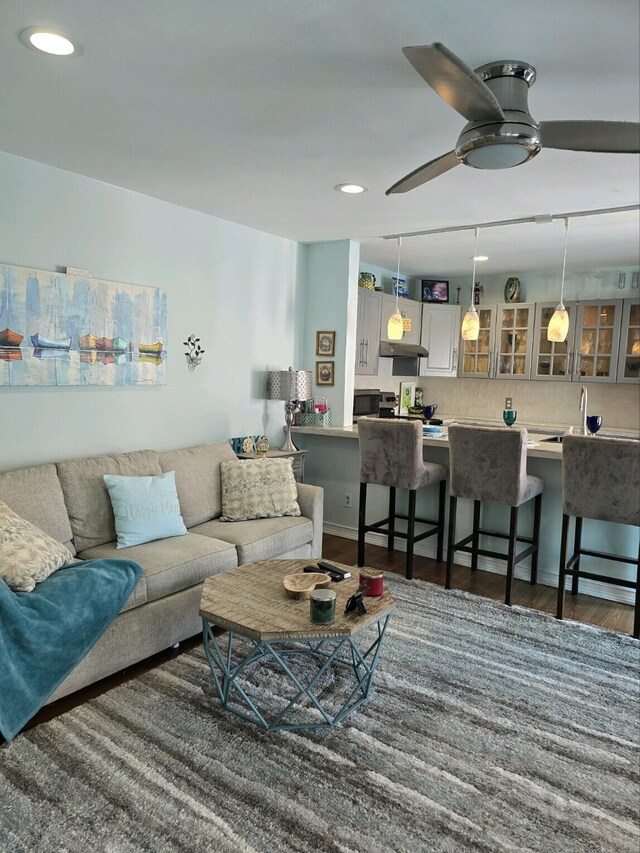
[[366, 403]]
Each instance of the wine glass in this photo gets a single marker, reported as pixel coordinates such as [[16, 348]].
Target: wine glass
[[509, 416], [594, 422]]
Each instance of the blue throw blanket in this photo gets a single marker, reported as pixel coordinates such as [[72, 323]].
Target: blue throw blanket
[[45, 633]]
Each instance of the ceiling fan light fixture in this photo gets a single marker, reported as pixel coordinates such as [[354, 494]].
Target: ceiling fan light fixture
[[499, 155], [53, 42], [351, 189]]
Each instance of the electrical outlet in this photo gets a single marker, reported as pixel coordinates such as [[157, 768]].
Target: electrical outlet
[[348, 499], [508, 402]]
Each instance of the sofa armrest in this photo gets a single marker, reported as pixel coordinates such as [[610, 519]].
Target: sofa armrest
[[311, 501]]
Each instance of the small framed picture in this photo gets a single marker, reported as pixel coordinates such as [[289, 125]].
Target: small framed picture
[[325, 343], [324, 373], [435, 291], [407, 396]]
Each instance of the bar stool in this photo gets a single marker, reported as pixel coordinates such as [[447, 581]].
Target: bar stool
[[600, 480], [490, 464], [391, 455]]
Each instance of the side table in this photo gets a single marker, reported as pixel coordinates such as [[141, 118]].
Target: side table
[[297, 457]]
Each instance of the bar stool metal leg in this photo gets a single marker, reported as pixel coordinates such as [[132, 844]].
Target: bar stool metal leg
[[450, 539], [392, 518], [361, 522], [563, 565], [411, 529], [476, 536], [537, 514], [513, 526], [441, 504], [577, 545]]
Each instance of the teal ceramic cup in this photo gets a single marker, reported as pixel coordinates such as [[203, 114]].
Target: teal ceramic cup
[[322, 606]]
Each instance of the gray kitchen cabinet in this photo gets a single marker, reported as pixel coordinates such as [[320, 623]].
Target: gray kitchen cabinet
[[440, 335], [629, 355], [476, 357], [596, 340], [368, 332], [513, 340], [410, 309], [553, 360]]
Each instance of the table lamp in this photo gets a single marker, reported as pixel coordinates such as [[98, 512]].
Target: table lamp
[[292, 386]]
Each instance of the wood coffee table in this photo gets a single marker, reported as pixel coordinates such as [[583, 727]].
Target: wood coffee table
[[265, 625]]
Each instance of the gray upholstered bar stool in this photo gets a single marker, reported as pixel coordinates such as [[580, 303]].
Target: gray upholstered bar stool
[[391, 455], [600, 480], [490, 464]]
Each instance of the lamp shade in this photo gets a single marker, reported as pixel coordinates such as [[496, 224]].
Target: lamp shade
[[289, 384], [471, 325], [558, 327], [395, 327]]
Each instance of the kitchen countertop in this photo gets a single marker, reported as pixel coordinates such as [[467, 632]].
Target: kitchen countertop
[[537, 433]]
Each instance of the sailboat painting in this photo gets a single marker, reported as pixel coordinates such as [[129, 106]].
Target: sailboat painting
[[58, 329]]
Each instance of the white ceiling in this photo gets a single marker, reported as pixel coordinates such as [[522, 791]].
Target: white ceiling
[[252, 111]]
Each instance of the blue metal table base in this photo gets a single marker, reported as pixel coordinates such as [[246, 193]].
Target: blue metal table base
[[339, 651]]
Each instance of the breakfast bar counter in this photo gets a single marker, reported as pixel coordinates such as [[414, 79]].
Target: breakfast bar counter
[[333, 463]]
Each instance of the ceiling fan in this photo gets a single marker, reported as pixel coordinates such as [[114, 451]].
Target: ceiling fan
[[501, 132]]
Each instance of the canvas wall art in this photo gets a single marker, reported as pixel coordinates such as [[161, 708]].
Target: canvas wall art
[[58, 329]]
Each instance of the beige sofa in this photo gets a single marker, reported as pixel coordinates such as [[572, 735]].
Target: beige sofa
[[69, 501]]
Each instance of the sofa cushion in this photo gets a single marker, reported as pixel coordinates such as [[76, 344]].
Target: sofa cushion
[[258, 488], [86, 496], [145, 508], [261, 538], [35, 494], [171, 565], [198, 479], [27, 554]]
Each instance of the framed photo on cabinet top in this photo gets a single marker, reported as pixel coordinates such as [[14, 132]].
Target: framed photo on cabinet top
[[435, 291], [325, 343]]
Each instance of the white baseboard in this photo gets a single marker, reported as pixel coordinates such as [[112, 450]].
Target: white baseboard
[[547, 577]]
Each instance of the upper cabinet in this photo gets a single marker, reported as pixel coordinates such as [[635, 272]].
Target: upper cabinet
[[440, 333], [410, 309], [368, 332], [476, 357], [552, 360], [629, 357], [596, 340], [504, 346]]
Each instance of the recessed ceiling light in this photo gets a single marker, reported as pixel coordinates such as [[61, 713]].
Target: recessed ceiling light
[[50, 41], [352, 189], [480, 258]]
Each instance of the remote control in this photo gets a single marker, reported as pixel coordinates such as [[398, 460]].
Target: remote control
[[333, 568], [335, 576]]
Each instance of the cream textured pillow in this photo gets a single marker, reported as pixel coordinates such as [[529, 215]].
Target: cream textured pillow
[[258, 488], [27, 554]]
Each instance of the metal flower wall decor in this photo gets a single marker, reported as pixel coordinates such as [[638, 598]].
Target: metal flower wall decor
[[194, 352]]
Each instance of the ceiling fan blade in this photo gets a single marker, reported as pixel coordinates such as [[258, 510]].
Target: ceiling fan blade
[[425, 173], [615, 137], [455, 82]]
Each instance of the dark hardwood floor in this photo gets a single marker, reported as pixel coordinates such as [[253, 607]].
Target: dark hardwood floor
[[584, 608]]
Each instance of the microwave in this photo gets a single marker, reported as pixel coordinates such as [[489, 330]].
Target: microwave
[[366, 403]]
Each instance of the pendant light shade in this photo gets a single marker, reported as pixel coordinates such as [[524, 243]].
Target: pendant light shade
[[471, 323], [395, 329], [558, 328]]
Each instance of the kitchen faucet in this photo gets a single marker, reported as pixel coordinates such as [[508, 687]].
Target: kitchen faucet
[[583, 408]]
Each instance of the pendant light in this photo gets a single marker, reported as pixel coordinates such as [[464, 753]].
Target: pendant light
[[559, 324], [394, 326], [471, 323]]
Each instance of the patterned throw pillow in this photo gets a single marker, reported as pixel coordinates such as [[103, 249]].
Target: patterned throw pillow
[[258, 488], [27, 554]]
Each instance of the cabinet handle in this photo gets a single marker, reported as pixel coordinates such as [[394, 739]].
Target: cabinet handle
[[490, 365], [570, 357], [362, 353], [366, 353], [455, 358]]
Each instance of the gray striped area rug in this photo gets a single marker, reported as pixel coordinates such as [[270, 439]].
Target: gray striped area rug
[[489, 729]]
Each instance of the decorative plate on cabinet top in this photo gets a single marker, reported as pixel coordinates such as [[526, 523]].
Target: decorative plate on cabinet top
[[512, 290]]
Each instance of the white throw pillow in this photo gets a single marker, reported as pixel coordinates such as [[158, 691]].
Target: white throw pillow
[[27, 554], [258, 488]]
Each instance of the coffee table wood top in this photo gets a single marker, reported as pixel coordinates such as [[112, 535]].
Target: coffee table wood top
[[252, 601]]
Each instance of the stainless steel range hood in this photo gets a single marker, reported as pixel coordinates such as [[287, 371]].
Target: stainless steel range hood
[[400, 350]]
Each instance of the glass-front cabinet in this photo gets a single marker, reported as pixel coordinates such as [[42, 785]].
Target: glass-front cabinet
[[476, 357], [629, 357], [596, 339], [504, 345], [552, 360], [514, 341]]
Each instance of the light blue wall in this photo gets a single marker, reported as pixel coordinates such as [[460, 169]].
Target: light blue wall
[[239, 289]]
